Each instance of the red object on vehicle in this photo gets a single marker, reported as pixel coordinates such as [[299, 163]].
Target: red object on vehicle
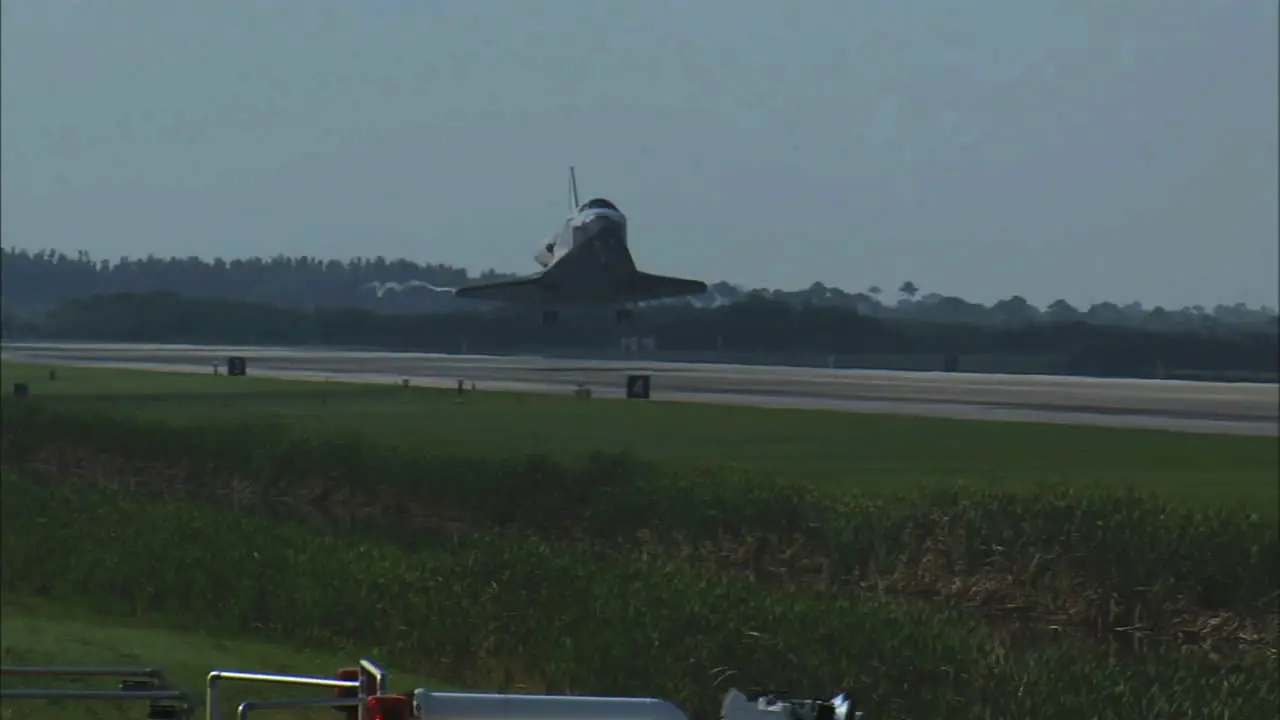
[[387, 707]]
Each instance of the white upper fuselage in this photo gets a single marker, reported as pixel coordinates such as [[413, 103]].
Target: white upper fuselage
[[597, 223]]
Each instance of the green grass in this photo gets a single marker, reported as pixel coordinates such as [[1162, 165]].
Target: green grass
[[38, 632], [1078, 559], [872, 453], [488, 610], [440, 546]]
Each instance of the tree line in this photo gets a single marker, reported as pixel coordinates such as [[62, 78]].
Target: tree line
[[757, 326], [32, 282]]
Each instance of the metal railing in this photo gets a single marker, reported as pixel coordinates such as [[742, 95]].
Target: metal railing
[[362, 691], [150, 685], [372, 680], [136, 685]]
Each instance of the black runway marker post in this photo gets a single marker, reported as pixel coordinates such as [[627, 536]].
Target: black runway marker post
[[637, 387]]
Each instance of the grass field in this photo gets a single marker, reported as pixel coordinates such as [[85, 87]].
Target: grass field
[[498, 608], [485, 542], [872, 453], [37, 632]]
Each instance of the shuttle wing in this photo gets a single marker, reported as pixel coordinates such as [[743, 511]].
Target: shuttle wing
[[647, 286], [523, 289]]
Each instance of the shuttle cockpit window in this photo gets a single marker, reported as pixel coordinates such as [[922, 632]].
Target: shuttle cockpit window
[[598, 204]]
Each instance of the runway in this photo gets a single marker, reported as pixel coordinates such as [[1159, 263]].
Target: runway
[[1206, 407]]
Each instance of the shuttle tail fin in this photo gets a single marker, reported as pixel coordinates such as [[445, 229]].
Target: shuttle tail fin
[[573, 191]]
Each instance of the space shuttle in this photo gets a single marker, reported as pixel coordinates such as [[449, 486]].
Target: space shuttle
[[585, 263]]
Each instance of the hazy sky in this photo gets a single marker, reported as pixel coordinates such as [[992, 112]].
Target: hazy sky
[[1087, 149]]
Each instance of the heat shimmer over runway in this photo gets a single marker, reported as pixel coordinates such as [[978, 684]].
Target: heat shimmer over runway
[[1207, 407]]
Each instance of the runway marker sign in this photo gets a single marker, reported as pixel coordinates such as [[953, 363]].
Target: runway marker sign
[[637, 387]]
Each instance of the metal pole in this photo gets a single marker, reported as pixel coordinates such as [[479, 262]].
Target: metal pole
[[60, 670], [211, 684], [379, 675], [248, 706], [47, 694]]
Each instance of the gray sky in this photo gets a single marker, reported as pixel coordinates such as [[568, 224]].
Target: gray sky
[[1087, 149]]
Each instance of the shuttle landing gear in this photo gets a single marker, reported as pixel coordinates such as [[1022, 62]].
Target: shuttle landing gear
[[550, 317], [625, 316]]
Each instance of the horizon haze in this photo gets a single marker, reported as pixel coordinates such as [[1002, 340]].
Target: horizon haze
[[1087, 151]]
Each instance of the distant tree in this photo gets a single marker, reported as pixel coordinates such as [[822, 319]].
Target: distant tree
[[1104, 313], [864, 303], [1133, 310], [875, 291], [1015, 310], [956, 310], [908, 290], [1061, 310], [1157, 318]]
